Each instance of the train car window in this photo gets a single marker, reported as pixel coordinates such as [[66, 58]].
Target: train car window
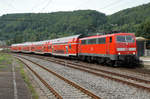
[[83, 42], [102, 40], [32, 47], [92, 41], [110, 40], [49, 46]]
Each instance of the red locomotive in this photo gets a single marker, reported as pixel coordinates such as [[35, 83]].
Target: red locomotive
[[112, 49]]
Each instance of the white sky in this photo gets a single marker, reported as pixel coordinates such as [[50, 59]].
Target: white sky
[[36, 6]]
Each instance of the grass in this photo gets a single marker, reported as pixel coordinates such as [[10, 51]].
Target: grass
[[2, 66], [27, 81], [5, 58], [5, 61]]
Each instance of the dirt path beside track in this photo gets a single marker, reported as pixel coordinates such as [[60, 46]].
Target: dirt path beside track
[[12, 85]]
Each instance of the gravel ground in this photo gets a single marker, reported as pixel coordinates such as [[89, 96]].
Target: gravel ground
[[125, 71], [104, 88], [122, 78], [12, 86], [43, 92], [135, 72], [64, 89]]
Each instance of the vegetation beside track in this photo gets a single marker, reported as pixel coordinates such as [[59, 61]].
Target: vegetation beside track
[[5, 58], [5, 61], [5, 65], [27, 80]]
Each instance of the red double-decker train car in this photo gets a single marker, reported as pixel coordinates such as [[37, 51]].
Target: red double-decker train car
[[66, 46], [112, 49], [15, 47]]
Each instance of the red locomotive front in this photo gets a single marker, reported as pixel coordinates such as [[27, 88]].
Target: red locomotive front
[[126, 47], [125, 44]]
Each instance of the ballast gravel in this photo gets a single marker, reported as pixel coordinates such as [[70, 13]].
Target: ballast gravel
[[105, 88], [63, 89]]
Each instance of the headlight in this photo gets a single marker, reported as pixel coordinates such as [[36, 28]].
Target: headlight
[[134, 53], [118, 53]]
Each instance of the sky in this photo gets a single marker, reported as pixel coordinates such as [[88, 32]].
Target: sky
[[46, 6]]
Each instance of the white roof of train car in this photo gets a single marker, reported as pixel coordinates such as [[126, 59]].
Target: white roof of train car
[[64, 39], [58, 40]]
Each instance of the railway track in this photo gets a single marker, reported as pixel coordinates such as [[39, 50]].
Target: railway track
[[125, 79], [72, 90]]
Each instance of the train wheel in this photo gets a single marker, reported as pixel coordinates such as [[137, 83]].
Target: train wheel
[[111, 63], [116, 63], [89, 59], [82, 58], [100, 60]]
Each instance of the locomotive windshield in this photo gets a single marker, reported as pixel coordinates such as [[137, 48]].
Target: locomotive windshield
[[125, 38]]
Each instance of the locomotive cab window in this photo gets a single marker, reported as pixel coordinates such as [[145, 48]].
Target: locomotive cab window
[[125, 38], [129, 38]]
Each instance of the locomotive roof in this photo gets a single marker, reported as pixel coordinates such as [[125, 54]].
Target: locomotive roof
[[97, 36]]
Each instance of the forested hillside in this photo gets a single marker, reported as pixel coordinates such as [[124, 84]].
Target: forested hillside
[[132, 20], [33, 27], [16, 28]]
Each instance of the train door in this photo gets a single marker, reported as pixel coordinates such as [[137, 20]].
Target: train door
[[52, 48], [66, 49], [108, 45], [46, 47]]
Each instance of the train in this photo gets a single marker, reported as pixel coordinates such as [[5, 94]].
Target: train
[[112, 49]]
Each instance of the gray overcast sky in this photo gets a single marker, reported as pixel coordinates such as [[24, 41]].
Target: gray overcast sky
[[36, 6]]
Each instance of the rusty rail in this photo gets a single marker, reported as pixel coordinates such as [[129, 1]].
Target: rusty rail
[[66, 80], [44, 82], [105, 76]]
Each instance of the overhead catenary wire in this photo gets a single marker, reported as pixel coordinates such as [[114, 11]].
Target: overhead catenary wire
[[104, 7], [26, 20], [37, 5], [111, 4], [49, 1], [81, 4], [9, 4]]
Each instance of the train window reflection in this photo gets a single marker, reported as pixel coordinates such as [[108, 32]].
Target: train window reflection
[[123, 38]]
